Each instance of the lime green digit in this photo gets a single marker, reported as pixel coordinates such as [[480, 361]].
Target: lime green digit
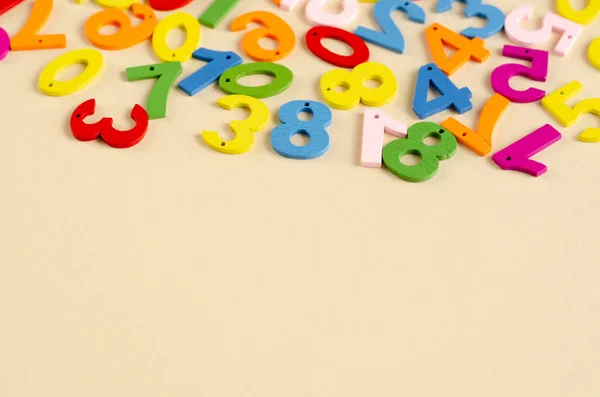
[[166, 74], [282, 79]]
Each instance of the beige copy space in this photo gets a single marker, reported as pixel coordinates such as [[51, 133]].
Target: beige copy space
[[172, 270]]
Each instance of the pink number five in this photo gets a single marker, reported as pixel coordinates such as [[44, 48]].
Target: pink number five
[[516, 157]]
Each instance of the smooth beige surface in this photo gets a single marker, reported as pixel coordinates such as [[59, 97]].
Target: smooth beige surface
[[173, 270]]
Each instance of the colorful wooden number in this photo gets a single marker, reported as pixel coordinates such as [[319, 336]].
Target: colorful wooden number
[[176, 20], [439, 36], [390, 36], [4, 44], [450, 95], [243, 129], [555, 104], [479, 141], [537, 72], [104, 128], [375, 124], [517, 157], [360, 51], [494, 16], [414, 144], [29, 38], [274, 28], [166, 74], [168, 5], [93, 61], [594, 53], [582, 17], [120, 4], [218, 63], [128, 35], [282, 79], [6, 5], [356, 91], [569, 30], [316, 14], [314, 129], [215, 13]]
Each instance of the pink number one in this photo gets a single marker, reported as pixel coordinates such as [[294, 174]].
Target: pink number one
[[516, 157], [375, 123]]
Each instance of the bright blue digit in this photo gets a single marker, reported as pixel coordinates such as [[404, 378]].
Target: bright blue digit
[[450, 95], [494, 16], [218, 63], [292, 125], [390, 36]]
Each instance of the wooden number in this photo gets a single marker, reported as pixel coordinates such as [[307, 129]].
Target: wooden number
[[93, 61], [274, 28], [569, 30], [128, 35], [538, 72], [215, 13], [120, 4], [217, 63], [390, 36], [104, 128], [360, 51], [168, 5], [173, 21], [282, 79], [166, 74], [439, 36], [594, 53], [517, 157], [475, 8], [582, 17], [28, 37], [243, 129], [375, 123], [356, 92], [4, 44], [479, 141], [555, 104]]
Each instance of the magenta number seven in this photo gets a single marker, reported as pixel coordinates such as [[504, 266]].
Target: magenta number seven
[[516, 157]]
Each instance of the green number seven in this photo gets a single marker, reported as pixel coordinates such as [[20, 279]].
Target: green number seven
[[166, 73]]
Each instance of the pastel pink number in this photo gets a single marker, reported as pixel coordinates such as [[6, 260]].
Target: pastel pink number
[[538, 72], [375, 123], [315, 13], [551, 23], [4, 44], [516, 157]]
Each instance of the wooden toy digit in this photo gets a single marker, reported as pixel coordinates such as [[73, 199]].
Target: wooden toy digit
[[538, 71], [414, 144], [315, 13], [274, 28], [104, 128], [282, 79], [390, 36], [215, 13], [166, 74], [517, 157], [168, 5], [360, 51], [93, 61], [128, 35], [594, 53], [4, 44], [120, 4], [479, 141], [555, 104], [244, 129], [450, 95], [439, 36], [218, 63], [475, 8], [569, 30], [6, 5], [29, 38], [356, 91], [582, 17], [291, 125], [375, 123], [176, 20]]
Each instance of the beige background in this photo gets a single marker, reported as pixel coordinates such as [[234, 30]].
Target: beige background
[[172, 270]]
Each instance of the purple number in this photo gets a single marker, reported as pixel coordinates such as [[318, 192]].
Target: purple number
[[538, 72], [4, 44], [516, 157]]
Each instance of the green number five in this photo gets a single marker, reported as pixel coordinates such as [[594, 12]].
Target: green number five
[[166, 73]]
